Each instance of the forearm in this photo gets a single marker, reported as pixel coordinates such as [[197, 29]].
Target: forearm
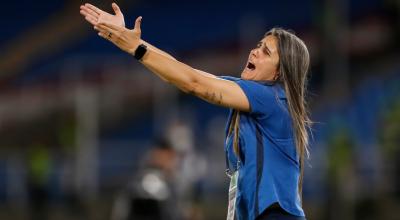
[[155, 49], [171, 70], [201, 84]]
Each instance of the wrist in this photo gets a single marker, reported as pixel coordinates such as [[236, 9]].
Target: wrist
[[134, 47]]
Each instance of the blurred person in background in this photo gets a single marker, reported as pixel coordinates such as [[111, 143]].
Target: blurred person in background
[[151, 193], [39, 179], [162, 187], [266, 135], [190, 170]]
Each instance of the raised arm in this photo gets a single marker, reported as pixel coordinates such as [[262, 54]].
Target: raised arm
[[212, 89], [201, 84]]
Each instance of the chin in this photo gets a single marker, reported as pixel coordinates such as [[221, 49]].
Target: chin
[[246, 75]]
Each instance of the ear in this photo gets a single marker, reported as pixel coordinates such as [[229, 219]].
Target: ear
[[277, 75]]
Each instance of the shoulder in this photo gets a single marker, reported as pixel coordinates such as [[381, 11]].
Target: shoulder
[[262, 87], [263, 96]]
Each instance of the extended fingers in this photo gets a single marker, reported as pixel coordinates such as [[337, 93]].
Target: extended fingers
[[116, 9], [91, 19], [93, 8], [90, 15], [87, 11]]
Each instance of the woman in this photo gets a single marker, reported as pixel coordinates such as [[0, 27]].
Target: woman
[[266, 135]]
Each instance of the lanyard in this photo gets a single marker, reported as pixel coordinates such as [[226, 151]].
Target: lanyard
[[234, 119], [229, 172], [233, 174]]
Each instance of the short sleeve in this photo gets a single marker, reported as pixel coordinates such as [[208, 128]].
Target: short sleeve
[[262, 98]]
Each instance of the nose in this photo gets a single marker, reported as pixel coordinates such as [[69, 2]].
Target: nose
[[254, 52]]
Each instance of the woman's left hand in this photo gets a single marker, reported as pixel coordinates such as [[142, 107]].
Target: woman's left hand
[[126, 39]]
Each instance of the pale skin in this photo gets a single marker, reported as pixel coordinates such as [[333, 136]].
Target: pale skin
[[261, 65]]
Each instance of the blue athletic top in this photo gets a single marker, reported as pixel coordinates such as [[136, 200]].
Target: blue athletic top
[[269, 165]]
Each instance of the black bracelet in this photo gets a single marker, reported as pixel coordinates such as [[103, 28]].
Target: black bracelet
[[140, 51]]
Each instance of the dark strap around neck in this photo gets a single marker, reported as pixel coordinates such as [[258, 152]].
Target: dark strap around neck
[[234, 123]]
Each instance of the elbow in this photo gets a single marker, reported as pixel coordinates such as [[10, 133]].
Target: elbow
[[191, 85], [189, 82]]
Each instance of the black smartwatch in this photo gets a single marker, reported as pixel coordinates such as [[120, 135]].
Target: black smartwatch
[[140, 51]]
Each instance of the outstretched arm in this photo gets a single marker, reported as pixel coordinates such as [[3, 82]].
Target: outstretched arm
[[214, 90], [202, 84]]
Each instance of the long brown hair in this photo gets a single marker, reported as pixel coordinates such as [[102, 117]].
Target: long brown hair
[[293, 66]]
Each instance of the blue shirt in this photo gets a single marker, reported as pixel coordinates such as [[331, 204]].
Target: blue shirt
[[269, 165]]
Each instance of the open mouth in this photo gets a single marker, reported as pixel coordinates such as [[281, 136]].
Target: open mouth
[[251, 66]]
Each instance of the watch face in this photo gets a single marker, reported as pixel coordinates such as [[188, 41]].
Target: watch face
[[140, 51]]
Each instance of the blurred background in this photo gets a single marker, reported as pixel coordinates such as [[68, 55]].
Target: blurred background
[[88, 133]]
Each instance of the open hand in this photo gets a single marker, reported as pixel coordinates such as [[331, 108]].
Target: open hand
[[126, 39], [95, 15]]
